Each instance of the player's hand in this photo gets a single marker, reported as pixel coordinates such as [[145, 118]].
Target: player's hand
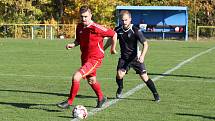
[[69, 46], [141, 59]]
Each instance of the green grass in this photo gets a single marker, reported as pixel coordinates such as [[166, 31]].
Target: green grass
[[35, 75]]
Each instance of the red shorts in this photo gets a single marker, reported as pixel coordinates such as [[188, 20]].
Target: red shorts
[[88, 68]]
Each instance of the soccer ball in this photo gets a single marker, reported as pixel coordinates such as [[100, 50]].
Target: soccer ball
[[177, 29], [79, 111]]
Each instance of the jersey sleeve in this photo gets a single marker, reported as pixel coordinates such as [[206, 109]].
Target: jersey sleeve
[[77, 33], [116, 29], [141, 37], [109, 33], [104, 32]]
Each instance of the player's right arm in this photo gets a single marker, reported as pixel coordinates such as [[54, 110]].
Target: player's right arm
[[72, 45], [77, 40]]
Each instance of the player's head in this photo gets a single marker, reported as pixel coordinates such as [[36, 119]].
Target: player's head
[[86, 15], [125, 17]]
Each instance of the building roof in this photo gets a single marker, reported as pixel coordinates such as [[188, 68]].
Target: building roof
[[151, 8]]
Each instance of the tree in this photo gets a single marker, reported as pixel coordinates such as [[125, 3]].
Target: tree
[[65, 11]]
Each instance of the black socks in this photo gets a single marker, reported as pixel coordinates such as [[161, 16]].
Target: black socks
[[151, 86], [119, 83]]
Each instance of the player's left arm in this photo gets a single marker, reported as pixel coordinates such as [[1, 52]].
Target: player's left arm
[[145, 45], [108, 43], [111, 41], [113, 44]]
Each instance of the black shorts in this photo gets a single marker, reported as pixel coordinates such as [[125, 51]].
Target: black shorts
[[126, 65]]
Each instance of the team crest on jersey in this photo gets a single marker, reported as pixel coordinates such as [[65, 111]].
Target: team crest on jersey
[[129, 35], [80, 32]]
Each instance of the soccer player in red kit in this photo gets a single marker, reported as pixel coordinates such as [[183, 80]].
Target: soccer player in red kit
[[89, 36]]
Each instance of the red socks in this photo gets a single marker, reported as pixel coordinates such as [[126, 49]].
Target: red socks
[[97, 89], [75, 87], [73, 91]]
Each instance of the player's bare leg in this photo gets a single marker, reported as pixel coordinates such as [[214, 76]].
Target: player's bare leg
[[150, 84], [97, 89], [73, 91], [119, 81]]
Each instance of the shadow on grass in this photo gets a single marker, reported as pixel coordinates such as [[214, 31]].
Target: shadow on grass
[[196, 115], [35, 92], [179, 75], [47, 93], [30, 106], [66, 95], [69, 117]]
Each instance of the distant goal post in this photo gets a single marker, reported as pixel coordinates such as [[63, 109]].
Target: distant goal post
[[205, 31]]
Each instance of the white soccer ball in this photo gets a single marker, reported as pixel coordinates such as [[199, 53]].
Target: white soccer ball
[[61, 37], [79, 111]]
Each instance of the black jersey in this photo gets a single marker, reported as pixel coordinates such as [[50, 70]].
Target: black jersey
[[128, 40]]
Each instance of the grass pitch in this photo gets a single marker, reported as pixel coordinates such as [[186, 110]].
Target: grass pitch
[[36, 74]]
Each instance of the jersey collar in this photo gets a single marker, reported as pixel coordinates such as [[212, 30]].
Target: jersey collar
[[91, 22], [125, 30]]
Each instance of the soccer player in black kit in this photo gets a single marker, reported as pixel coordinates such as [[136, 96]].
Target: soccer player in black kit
[[129, 36]]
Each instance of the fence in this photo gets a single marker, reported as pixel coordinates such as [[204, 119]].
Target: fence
[[205, 32], [32, 31]]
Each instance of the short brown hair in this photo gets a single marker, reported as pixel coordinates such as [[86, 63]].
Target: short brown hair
[[123, 12], [84, 9]]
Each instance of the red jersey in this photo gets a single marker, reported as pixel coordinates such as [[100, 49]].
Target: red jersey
[[91, 38]]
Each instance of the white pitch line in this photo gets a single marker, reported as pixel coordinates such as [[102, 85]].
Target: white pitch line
[[140, 86]]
